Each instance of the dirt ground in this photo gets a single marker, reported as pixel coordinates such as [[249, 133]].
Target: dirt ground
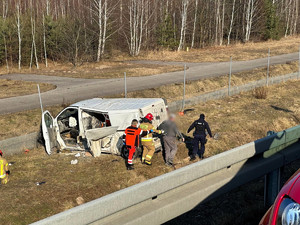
[[12, 88], [239, 51], [237, 119]]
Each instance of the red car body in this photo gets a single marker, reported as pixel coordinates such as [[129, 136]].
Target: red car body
[[290, 191]]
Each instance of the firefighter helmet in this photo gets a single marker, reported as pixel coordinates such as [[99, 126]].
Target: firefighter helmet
[[1, 153], [149, 116]]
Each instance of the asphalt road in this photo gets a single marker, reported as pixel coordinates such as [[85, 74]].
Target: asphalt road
[[74, 89]]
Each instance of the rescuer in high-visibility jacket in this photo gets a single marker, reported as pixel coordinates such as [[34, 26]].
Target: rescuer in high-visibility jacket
[[147, 141], [132, 140], [4, 172]]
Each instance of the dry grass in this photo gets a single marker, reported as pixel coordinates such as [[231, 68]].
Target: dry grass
[[17, 124], [193, 88], [260, 92], [12, 88], [238, 120], [104, 69], [239, 51]]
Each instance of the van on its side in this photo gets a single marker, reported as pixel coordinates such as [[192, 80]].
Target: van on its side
[[97, 125]]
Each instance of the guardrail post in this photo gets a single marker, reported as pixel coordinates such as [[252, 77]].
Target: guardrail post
[[272, 187]]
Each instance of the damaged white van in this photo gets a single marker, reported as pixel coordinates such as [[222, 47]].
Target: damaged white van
[[97, 125]]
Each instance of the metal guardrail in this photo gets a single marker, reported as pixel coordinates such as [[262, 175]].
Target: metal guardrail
[[160, 199]]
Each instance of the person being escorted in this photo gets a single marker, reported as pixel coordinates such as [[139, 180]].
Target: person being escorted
[[171, 133], [132, 141], [147, 141], [201, 127], [4, 172]]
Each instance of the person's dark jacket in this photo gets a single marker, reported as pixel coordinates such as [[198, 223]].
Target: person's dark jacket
[[201, 126], [170, 129]]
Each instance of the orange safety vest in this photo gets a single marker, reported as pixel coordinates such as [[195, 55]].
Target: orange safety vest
[[132, 136]]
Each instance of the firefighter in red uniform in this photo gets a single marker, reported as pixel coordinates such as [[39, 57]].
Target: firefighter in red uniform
[[132, 140]]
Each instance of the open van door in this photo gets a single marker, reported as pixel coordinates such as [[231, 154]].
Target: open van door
[[48, 132]]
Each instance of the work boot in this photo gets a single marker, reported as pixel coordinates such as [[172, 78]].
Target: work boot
[[148, 163], [130, 167], [201, 156], [192, 158]]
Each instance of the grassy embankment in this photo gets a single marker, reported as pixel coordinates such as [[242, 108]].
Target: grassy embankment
[[12, 88], [238, 120]]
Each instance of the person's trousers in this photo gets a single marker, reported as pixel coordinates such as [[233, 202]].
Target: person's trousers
[[131, 153], [199, 139], [170, 148], [148, 150], [4, 180]]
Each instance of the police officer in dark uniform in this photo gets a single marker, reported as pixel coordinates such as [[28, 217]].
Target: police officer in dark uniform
[[201, 126]]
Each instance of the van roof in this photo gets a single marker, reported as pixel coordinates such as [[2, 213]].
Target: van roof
[[117, 104]]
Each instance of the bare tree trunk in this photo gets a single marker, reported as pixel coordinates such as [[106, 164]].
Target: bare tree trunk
[[47, 7], [33, 43], [19, 33], [231, 22], [183, 23], [44, 42], [104, 27], [249, 18], [222, 25], [217, 4], [136, 26], [5, 51], [195, 22]]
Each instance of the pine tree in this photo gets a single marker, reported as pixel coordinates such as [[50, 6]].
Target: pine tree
[[165, 34], [272, 24]]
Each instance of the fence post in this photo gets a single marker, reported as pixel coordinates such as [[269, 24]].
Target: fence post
[[184, 80], [268, 68], [230, 72], [125, 83], [40, 97]]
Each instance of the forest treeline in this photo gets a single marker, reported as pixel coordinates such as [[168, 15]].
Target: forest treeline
[[36, 31]]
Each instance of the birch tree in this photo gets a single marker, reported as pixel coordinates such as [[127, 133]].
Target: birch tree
[[136, 26], [195, 22], [103, 14], [231, 22], [33, 48], [250, 13], [184, 12], [19, 33]]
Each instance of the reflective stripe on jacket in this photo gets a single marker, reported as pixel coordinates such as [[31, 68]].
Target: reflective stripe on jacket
[[146, 127], [3, 168]]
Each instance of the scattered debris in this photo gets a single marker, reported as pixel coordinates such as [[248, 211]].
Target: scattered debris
[[27, 151], [80, 200], [217, 136], [115, 160], [74, 162], [11, 163], [40, 183], [77, 155]]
